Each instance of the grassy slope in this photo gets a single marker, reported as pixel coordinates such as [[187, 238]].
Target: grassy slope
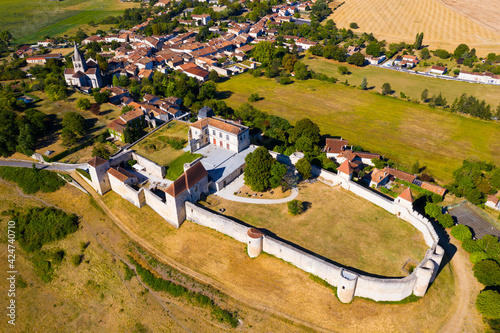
[[30, 20], [411, 85], [352, 231], [395, 128]]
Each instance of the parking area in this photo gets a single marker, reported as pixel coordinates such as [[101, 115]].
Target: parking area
[[480, 227]]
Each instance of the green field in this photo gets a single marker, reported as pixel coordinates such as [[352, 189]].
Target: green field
[[410, 85], [397, 129], [31, 20]]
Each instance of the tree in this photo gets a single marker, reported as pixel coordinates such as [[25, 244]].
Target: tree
[[75, 123], [55, 92], [5, 36], [446, 220], [101, 150], [487, 272], [343, 70], [353, 25], [488, 304], [478, 256], [304, 168], [425, 95], [295, 207], [301, 72], [461, 51], [101, 97], [254, 97], [9, 132], [364, 84], [208, 90], [258, 169], [288, 62], [213, 76], [278, 171], [418, 41], [357, 59], [432, 210], [26, 141], [83, 103], [386, 89], [131, 133], [416, 167], [425, 54], [304, 127], [461, 232], [373, 49], [69, 137]]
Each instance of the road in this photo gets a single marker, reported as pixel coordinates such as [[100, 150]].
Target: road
[[46, 166]]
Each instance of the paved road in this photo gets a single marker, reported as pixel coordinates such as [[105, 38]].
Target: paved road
[[46, 166], [228, 194]]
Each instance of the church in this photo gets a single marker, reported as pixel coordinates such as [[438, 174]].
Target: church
[[85, 74]]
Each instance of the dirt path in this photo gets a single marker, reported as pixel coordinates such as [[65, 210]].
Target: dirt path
[[465, 317]]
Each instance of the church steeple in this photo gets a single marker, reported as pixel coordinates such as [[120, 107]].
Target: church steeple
[[79, 62]]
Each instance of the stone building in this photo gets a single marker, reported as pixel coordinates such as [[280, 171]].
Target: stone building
[[219, 132], [84, 74]]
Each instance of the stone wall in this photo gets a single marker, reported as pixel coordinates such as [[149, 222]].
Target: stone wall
[[127, 192], [151, 167], [159, 206]]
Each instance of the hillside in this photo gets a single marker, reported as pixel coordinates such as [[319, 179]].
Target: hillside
[[398, 129], [445, 23]]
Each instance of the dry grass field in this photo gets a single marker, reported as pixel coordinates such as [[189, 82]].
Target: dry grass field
[[445, 23], [274, 287], [340, 226], [156, 148], [277, 193], [392, 127]]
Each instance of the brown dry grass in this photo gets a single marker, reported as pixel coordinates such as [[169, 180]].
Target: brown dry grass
[[444, 26], [340, 226], [272, 286], [277, 193], [157, 149]]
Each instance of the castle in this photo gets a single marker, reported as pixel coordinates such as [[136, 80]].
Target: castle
[[85, 74]]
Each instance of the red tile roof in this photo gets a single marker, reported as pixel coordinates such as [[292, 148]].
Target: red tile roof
[[400, 174], [121, 174], [406, 195], [378, 175], [433, 188], [96, 161], [117, 125], [335, 146], [228, 127], [254, 233], [345, 168], [493, 199], [187, 180]]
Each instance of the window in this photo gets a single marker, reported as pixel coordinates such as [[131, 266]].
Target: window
[[213, 132], [228, 146], [220, 134], [227, 137], [221, 144]]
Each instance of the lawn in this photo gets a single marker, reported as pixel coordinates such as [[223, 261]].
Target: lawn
[[56, 111], [272, 284], [156, 148], [31, 20], [176, 167], [401, 130], [339, 226], [411, 85]]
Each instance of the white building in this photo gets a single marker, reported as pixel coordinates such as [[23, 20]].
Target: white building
[[493, 202], [486, 77], [219, 132], [85, 74]]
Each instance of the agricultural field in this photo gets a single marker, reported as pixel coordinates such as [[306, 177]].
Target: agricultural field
[[398, 129], [351, 231], [445, 23], [274, 285], [411, 85], [31, 20], [156, 148]]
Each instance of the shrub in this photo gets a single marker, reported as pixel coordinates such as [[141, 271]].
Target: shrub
[[471, 246], [176, 143], [487, 272], [83, 103], [76, 259], [488, 304], [129, 274], [476, 257], [295, 207], [131, 163], [461, 232], [254, 98], [353, 25], [386, 89], [304, 168], [445, 220], [32, 180], [433, 210], [343, 70]]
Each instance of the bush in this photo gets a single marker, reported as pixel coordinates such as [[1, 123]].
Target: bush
[[386, 89], [476, 257], [176, 143], [285, 80], [471, 246], [353, 25], [488, 304], [254, 98], [83, 103], [433, 210], [461, 232], [304, 168], [446, 220], [76, 259], [487, 272], [295, 207], [32, 180], [343, 70]]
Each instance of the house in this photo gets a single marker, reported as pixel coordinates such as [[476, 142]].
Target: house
[[116, 94], [407, 177], [374, 60], [409, 61], [42, 58], [334, 147], [84, 74], [201, 19], [47, 43], [485, 77], [352, 49], [198, 73], [134, 118], [378, 178], [220, 132], [439, 70], [162, 3], [493, 202], [356, 156]]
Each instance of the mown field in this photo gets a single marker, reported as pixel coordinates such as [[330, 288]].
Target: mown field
[[443, 25], [403, 131], [352, 231], [30, 20], [411, 85]]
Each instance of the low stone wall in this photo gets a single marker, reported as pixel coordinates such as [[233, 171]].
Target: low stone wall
[[120, 158]]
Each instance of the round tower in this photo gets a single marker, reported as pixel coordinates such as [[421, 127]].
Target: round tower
[[437, 257], [347, 286], [255, 239], [424, 274]]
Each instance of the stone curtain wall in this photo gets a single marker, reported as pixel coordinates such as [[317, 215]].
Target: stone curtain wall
[[157, 204], [151, 167]]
